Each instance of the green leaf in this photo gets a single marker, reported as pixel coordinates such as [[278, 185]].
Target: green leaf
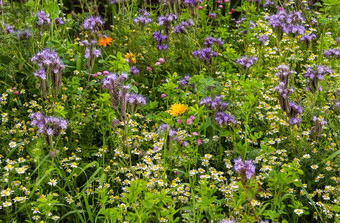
[[153, 104], [52, 8], [134, 88], [331, 156], [335, 208], [89, 212]]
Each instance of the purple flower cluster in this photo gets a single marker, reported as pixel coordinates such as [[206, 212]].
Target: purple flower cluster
[[93, 52], [9, 29], [162, 128], [119, 93], [283, 91], [87, 43], [295, 110], [211, 40], [193, 2], [181, 27], [246, 168], [308, 37], [160, 39], [219, 107], [268, 3], [172, 134], [246, 62], [144, 17], [217, 104], [42, 18], [184, 81], [319, 124], [313, 77], [332, 53], [23, 34], [48, 125], [135, 99], [240, 21], [252, 25], [134, 70], [113, 81], [337, 104], [288, 23], [291, 109], [263, 38], [92, 23], [166, 21], [284, 73], [47, 60], [59, 21], [223, 119], [205, 54]]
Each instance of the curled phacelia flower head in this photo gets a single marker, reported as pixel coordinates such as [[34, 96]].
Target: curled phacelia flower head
[[246, 168]]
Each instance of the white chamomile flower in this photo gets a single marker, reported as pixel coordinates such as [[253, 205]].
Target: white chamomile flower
[[12, 144], [298, 211], [52, 182]]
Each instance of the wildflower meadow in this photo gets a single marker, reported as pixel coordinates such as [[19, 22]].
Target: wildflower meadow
[[147, 111]]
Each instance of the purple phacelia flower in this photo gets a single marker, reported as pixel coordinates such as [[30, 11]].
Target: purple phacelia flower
[[211, 40], [308, 37], [47, 125], [193, 3], [263, 38], [268, 3], [43, 18], [246, 168], [223, 119], [92, 23], [288, 23], [166, 21], [181, 27], [205, 54], [144, 17], [246, 62], [47, 60], [134, 70], [332, 53], [314, 76]]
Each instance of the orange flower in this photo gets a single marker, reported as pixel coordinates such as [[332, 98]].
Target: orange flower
[[103, 41], [131, 57], [177, 109]]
